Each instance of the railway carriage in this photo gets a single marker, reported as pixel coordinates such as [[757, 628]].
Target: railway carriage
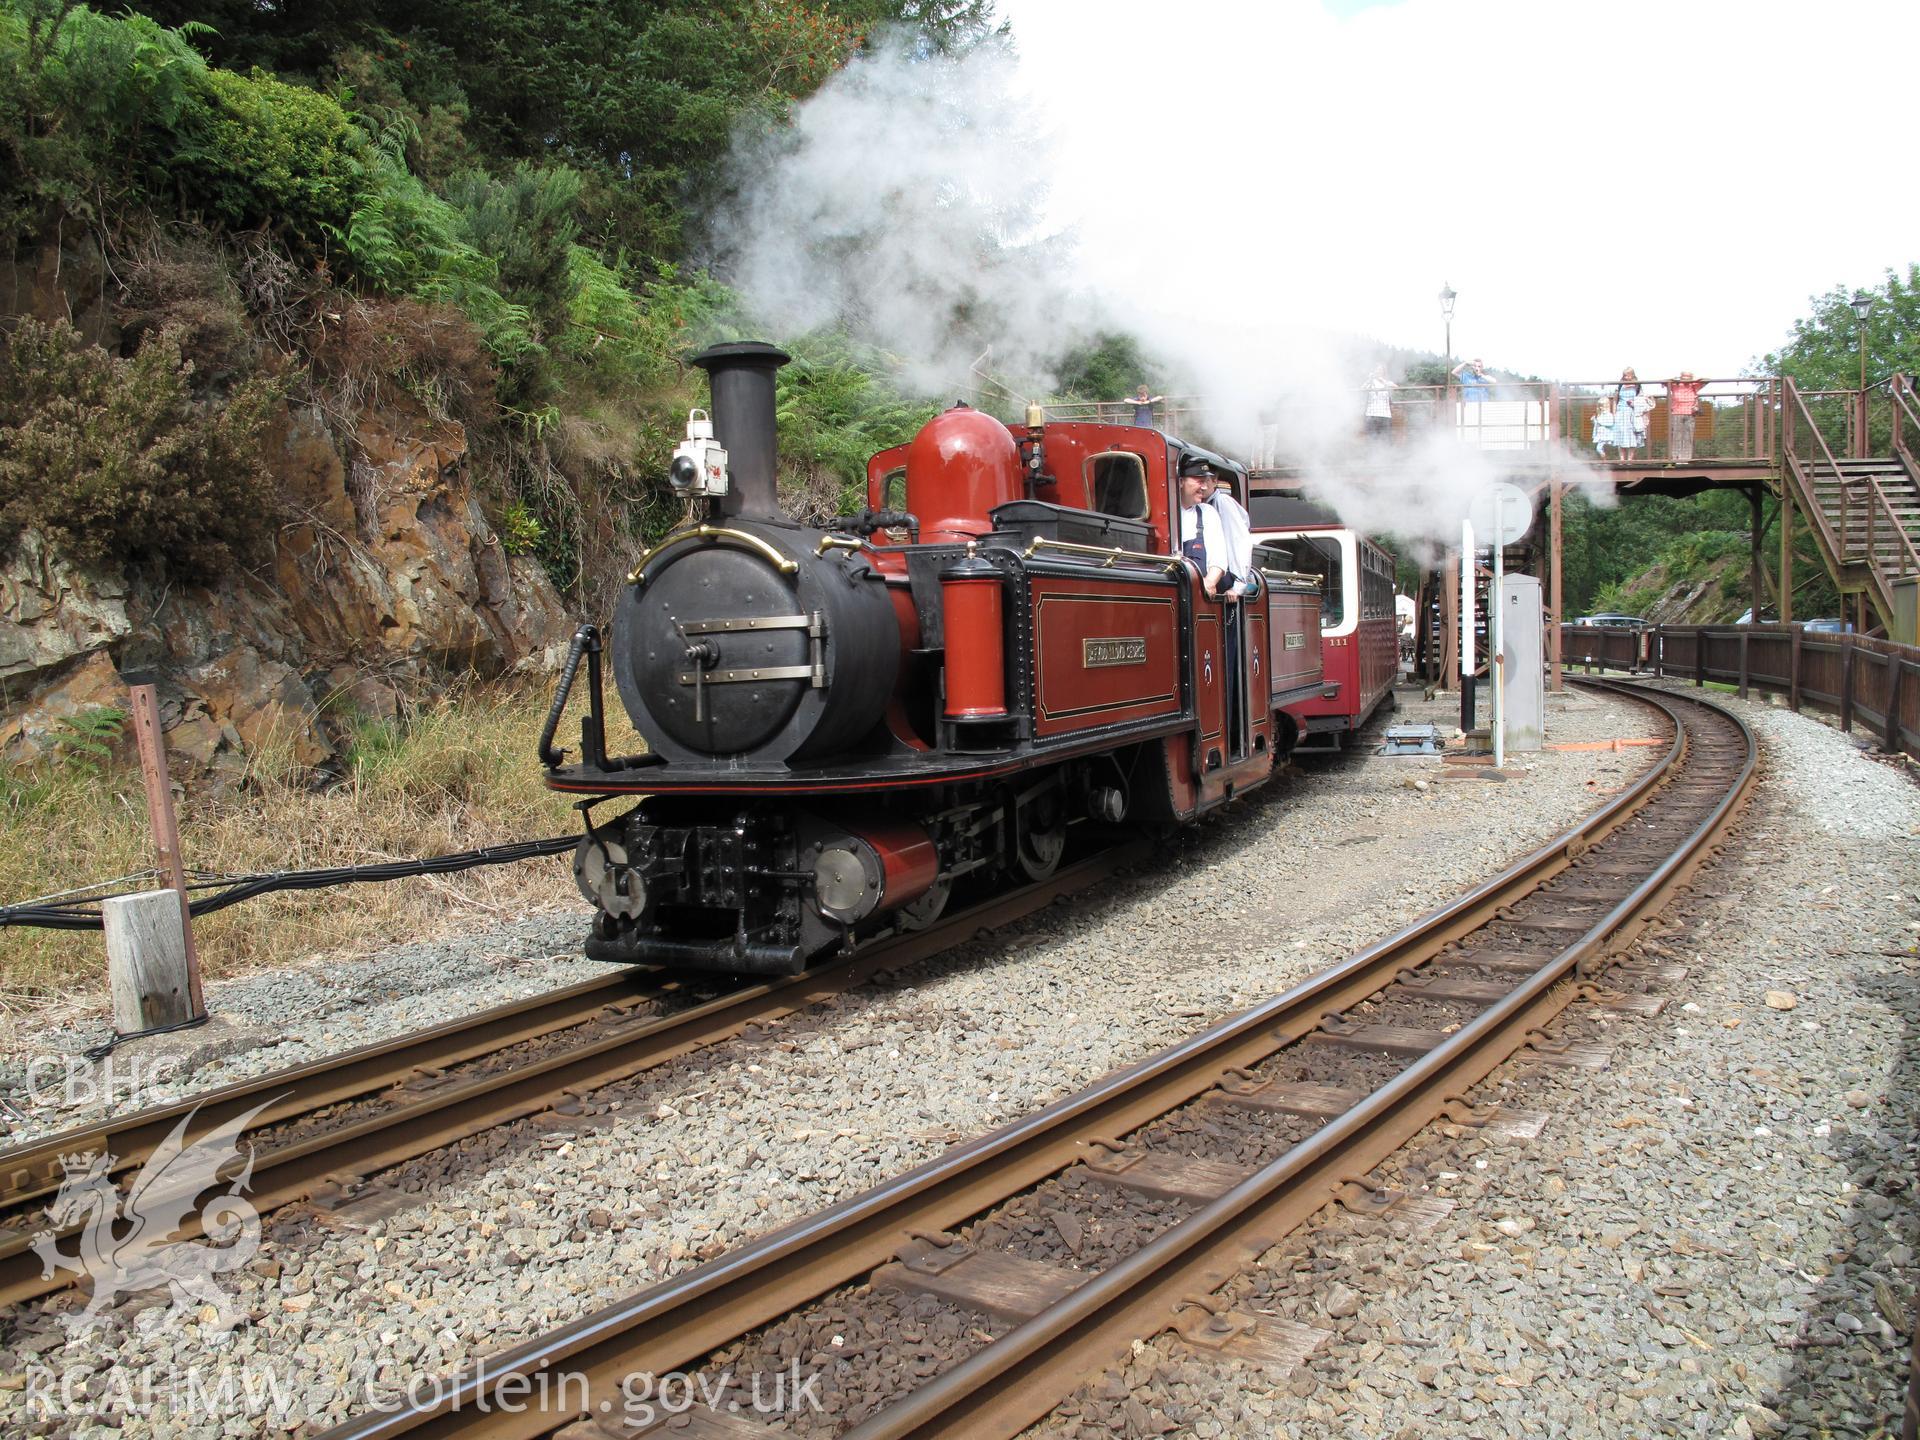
[[1360, 645], [845, 722]]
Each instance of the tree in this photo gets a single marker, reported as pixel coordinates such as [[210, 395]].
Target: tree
[[643, 97], [1106, 369], [1824, 353]]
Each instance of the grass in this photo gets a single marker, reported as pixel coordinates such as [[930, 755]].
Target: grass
[[454, 775]]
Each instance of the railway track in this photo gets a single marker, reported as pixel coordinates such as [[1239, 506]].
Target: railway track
[[967, 1318], [321, 1129]]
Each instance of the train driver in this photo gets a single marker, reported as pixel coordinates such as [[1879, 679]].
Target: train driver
[[1203, 538]]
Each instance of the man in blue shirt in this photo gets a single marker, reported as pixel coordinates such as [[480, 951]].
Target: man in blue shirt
[[1474, 381]]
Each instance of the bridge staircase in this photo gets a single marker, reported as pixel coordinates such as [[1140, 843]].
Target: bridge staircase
[[1864, 508]]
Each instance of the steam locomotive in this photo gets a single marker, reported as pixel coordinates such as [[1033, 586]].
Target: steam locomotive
[[845, 723]]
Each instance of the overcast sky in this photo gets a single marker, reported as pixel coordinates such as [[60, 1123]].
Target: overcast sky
[[1661, 185]]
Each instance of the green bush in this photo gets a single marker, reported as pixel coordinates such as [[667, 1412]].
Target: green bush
[[261, 152], [836, 407], [113, 459], [519, 529]]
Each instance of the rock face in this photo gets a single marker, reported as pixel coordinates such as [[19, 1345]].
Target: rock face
[[52, 613], [386, 578]]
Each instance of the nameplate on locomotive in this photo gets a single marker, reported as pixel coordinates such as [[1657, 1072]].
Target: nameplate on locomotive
[[1296, 639], [1113, 650]]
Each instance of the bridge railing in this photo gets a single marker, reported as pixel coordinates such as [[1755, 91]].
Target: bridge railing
[[1176, 414], [1893, 423], [1834, 416], [1738, 419], [1864, 681]]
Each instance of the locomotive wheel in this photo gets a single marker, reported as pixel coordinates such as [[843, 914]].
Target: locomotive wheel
[[921, 913], [1043, 839]]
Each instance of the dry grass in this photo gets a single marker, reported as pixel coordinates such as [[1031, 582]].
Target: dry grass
[[453, 776]]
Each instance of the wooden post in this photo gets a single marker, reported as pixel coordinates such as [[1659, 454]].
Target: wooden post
[[1743, 663], [147, 970], [1786, 548], [1793, 673], [1757, 582], [1699, 658], [1657, 650], [1450, 590], [1846, 683], [1890, 733], [1558, 618], [166, 835]]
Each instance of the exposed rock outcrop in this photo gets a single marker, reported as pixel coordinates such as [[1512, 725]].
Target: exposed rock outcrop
[[405, 569], [52, 613], [386, 579]]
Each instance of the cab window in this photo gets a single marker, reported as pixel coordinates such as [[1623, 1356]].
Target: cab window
[[1117, 484]]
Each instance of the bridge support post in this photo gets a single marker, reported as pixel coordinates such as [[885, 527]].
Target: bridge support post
[[1758, 568], [1786, 549]]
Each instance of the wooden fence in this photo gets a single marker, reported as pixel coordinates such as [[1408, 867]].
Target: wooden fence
[[1869, 683]]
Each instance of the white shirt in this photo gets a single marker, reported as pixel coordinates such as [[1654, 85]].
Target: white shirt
[[1212, 536], [1380, 399], [1237, 528]]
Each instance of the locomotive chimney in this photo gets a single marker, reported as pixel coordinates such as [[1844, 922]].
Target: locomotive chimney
[[742, 375]]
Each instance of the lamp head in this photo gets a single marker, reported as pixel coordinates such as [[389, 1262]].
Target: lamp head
[[1862, 305], [1447, 296]]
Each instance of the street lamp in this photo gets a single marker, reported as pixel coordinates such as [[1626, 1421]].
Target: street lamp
[[1862, 304], [1862, 307], [1447, 296]]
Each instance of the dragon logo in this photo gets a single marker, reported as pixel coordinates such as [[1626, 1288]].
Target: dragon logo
[[127, 1244]]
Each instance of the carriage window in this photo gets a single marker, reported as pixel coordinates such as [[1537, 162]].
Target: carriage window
[[1317, 555], [1117, 483]]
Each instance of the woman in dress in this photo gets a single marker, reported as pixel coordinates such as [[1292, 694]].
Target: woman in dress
[[1627, 422]]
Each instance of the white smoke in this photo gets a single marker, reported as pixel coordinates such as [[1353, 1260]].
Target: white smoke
[[902, 203], [908, 201]]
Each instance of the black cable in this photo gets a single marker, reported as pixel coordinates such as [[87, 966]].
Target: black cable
[[73, 914], [114, 1041]]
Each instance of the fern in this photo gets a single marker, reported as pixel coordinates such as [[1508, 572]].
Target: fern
[[85, 741]]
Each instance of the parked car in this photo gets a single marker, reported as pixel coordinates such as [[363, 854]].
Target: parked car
[[1767, 617], [1613, 622], [1829, 625]]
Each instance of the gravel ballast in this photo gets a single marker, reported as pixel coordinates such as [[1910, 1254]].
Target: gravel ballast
[[1715, 1236], [526, 1226]]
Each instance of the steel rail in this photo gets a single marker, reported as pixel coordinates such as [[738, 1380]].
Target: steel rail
[[676, 1323], [283, 1174], [32, 1170], [1016, 1380]]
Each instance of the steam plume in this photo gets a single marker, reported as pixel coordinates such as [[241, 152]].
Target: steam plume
[[907, 202]]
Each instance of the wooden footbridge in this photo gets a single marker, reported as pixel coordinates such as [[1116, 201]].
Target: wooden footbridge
[[1842, 462]]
